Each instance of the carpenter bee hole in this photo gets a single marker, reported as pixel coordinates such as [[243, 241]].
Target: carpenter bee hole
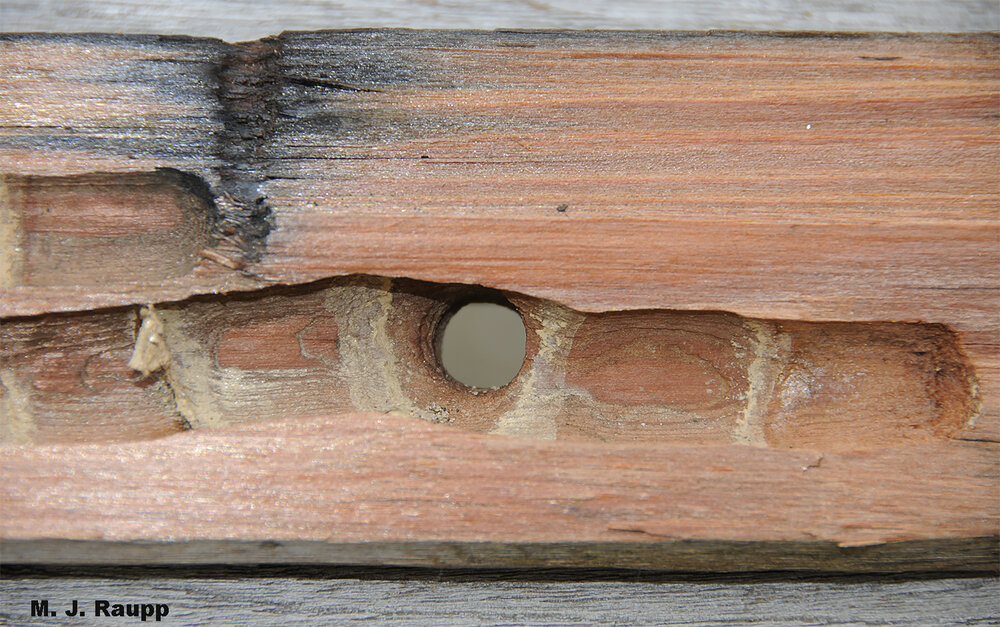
[[482, 344]]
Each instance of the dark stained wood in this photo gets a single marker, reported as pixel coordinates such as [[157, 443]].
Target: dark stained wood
[[143, 147]]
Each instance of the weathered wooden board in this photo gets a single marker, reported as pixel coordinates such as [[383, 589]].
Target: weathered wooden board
[[273, 490], [304, 596], [813, 168], [259, 18], [837, 191], [823, 178]]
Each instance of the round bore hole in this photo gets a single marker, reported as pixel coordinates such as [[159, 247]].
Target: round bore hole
[[482, 345]]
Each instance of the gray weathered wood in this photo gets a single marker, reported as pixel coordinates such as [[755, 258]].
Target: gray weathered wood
[[239, 21], [196, 599]]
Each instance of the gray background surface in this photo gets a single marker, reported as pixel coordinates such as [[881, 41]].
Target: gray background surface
[[306, 596], [310, 596], [240, 21]]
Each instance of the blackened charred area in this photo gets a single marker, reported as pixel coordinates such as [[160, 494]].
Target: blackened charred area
[[340, 90], [355, 61], [297, 89], [248, 87]]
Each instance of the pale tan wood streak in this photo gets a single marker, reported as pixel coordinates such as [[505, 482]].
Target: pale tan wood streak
[[373, 477]]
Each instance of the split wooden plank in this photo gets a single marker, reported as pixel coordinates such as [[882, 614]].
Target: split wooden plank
[[810, 168], [806, 179], [839, 177], [822, 178]]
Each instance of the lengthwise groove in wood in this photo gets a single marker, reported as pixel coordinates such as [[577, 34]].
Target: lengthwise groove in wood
[[370, 344], [700, 197]]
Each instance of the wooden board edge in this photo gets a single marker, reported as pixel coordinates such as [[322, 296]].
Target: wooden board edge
[[971, 554]]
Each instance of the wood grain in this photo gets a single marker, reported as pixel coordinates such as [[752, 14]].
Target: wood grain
[[840, 178], [96, 231], [261, 18], [691, 169], [284, 596], [362, 478], [370, 344], [809, 180]]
